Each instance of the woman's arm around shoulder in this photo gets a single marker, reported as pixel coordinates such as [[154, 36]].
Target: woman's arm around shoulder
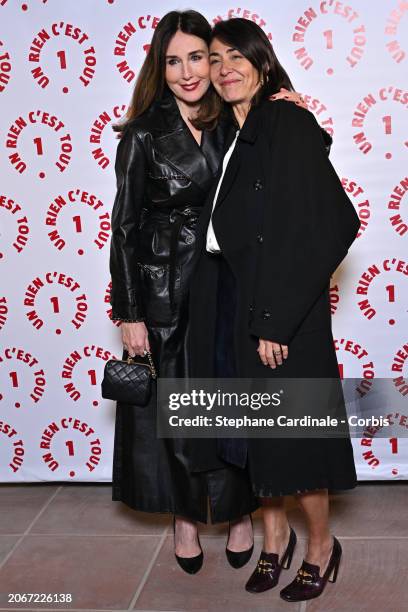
[[295, 116]]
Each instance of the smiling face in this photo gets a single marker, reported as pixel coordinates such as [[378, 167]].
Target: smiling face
[[233, 76], [187, 68]]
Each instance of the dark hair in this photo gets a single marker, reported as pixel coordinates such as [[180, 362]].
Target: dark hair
[[151, 82], [250, 40]]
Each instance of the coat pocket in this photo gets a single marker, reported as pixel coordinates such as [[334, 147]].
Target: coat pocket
[[155, 294]]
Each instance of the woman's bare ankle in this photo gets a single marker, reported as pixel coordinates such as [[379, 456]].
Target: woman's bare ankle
[[186, 537], [240, 534], [276, 539]]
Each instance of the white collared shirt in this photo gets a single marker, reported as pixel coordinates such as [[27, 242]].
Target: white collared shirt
[[212, 245]]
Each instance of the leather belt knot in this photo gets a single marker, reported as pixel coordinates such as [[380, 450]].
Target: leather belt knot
[[178, 218]]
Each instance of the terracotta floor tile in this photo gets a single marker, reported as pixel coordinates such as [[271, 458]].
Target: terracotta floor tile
[[89, 509], [6, 544], [100, 572], [20, 504], [372, 576], [82, 545]]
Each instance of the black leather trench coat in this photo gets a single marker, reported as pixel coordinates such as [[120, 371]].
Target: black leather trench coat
[[163, 177], [284, 224]]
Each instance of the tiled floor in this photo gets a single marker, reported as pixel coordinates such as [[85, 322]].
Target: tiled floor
[[74, 539]]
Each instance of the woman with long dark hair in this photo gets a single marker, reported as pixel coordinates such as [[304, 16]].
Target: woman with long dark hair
[[167, 159], [273, 231]]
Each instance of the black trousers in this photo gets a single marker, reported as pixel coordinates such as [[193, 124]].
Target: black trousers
[[231, 450]]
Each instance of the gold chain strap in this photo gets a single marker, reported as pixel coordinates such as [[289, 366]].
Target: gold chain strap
[[150, 358], [151, 364]]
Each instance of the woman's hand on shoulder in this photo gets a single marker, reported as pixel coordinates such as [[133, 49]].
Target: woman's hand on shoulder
[[272, 353], [135, 338], [291, 96]]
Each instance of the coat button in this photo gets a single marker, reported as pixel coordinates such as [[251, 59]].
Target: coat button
[[189, 239], [258, 185], [266, 314], [259, 238], [251, 308]]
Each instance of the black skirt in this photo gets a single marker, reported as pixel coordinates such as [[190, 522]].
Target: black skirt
[[154, 474], [278, 466]]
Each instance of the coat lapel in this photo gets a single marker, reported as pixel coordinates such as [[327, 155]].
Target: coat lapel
[[183, 154], [176, 144], [248, 134], [231, 170]]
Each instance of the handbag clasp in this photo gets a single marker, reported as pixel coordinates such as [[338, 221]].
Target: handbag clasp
[[131, 360]]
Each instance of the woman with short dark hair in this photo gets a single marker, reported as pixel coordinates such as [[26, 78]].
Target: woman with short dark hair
[[273, 231]]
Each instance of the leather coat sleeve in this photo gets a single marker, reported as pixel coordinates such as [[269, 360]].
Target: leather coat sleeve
[[130, 169], [308, 229]]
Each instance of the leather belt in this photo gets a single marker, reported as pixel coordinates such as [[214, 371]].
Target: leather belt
[[178, 218]]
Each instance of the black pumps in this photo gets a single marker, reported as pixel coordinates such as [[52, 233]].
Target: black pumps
[[238, 559], [191, 565]]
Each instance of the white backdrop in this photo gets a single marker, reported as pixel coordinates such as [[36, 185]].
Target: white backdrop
[[67, 69]]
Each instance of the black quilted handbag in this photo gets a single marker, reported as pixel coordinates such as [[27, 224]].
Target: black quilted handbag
[[129, 380]]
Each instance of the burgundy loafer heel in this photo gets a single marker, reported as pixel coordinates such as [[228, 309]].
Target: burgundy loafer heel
[[308, 583], [288, 556], [335, 571], [268, 569]]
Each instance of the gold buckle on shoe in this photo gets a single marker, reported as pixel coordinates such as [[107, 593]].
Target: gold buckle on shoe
[[302, 576], [265, 570]]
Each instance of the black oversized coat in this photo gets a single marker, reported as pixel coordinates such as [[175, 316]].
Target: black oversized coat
[[163, 177], [284, 224]]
